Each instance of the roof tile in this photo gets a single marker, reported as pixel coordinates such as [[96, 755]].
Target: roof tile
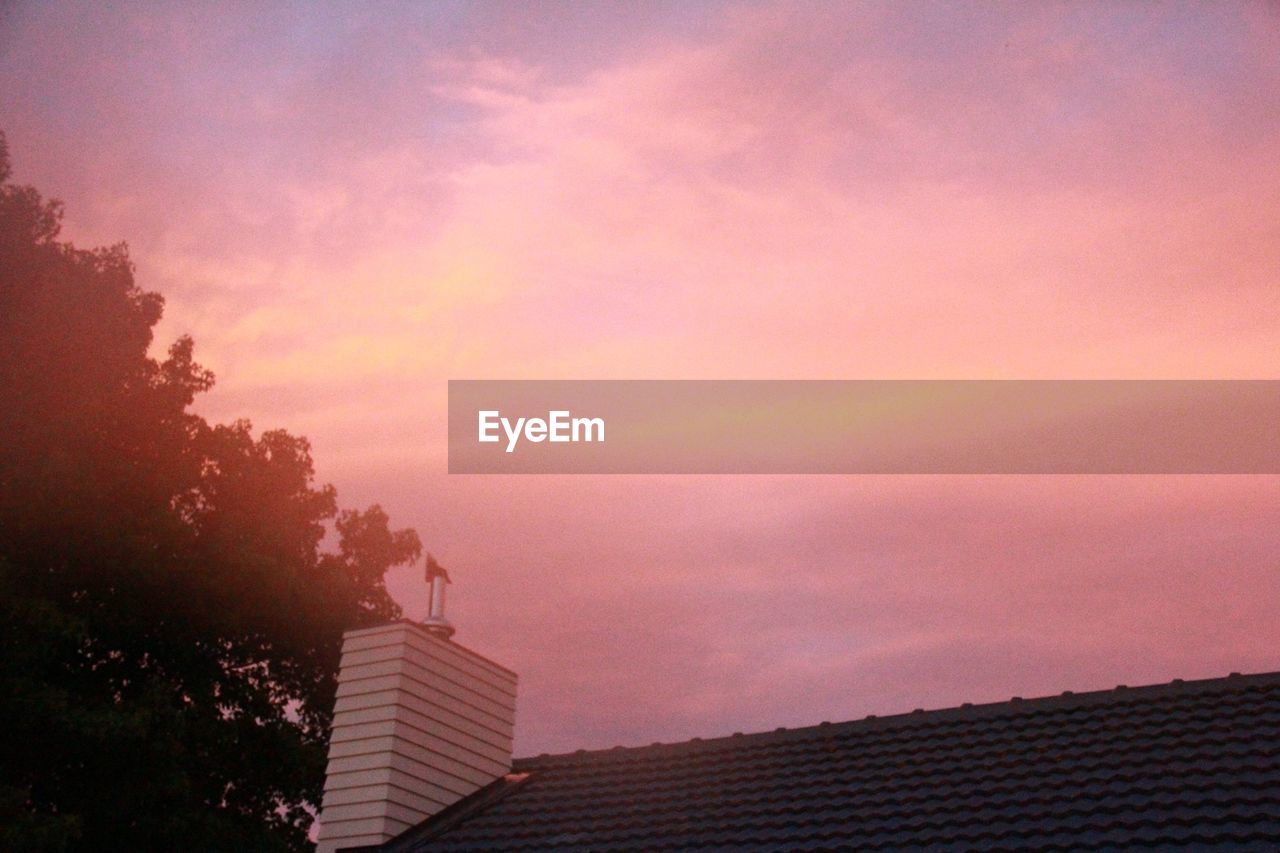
[[1187, 764]]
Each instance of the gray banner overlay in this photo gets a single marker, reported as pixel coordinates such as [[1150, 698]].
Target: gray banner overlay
[[864, 427]]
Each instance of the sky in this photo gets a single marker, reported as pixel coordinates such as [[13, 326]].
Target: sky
[[347, 205]]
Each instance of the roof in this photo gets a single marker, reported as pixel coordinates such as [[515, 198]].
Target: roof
[[1181, 764]]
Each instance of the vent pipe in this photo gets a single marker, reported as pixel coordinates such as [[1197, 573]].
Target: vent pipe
[[435, 622]]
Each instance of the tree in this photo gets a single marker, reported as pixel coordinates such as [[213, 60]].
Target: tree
[[171, 620]]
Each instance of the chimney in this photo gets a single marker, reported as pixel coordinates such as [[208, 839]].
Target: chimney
[[420, 722]]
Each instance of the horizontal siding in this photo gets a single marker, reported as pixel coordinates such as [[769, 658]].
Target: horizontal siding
[[497, 670], [443, 668], [410, 727], [452, 775], [378, 793], [450, 727], [473, 693], [432, 703], [423, 731], [399, 744], [394, 778], [368, 685], [453, 681], [444, 663], [450, 654], [343, 829], [365, 638], [382, 728], [419, 723], [362, 746], [433, 706], [358, 811], [353, 841]]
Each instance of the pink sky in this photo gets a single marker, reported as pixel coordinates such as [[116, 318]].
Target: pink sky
[[346, 206]]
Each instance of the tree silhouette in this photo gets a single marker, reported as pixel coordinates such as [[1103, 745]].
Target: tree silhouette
[[170, 620]]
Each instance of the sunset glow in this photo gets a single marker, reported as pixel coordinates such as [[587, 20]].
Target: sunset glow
[[346, 207]]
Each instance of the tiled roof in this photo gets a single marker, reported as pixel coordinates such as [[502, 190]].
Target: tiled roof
[[1190, 764]]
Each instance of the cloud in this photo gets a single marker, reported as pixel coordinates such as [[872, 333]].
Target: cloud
[[347, 210]]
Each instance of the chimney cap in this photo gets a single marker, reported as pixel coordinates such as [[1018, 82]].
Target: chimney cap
[[435, 570]]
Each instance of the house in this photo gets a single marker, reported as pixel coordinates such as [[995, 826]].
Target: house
[[420, 760]]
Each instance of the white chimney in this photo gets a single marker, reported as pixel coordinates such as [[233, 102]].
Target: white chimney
[[420, 722]]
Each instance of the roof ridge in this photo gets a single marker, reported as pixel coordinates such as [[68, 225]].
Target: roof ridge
[[1120, 694]]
